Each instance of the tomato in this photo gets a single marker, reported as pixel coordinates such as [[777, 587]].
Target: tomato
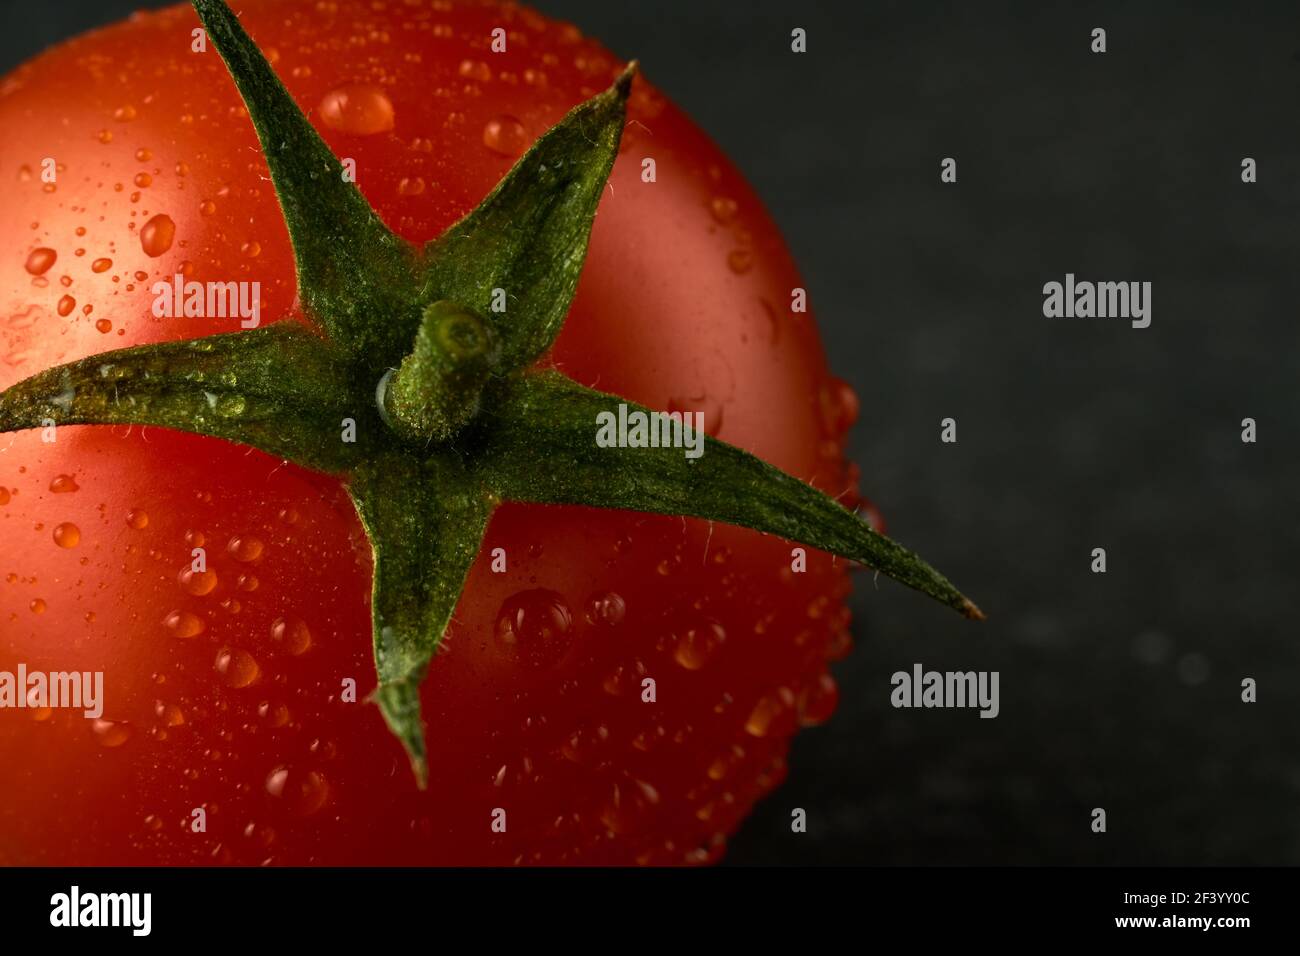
[[224, 690]]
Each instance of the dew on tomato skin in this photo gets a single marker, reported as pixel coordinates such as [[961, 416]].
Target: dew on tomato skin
[[67, 535], [37, 606], [137, 519], [411, 186], [358, 109], [289, 516], [773, 714], [4, 496], [66, 305], [535, 627], [245, 548], [723, 208], [103, 326], [40, 260], [273, 713], [237, 667], [195, 539], [168, 714], [740, 261], [475, 70], [64, 484], [110, 733], [292, 635], [607, 609], [817, 701], [105, 136], [505, 136], [247, 583], [705, 403], [198, 583], [157, 235], [303, 792], [184, 624], [696, 645]]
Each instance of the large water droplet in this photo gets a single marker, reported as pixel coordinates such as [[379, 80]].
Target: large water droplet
[[40, 260], [157, 235], [696, 645], [64, 484], [607, 609], [505, 136], [198, 583], [67, 535], [362, 110], [534, 627], [184, 625], [137, 518], [292, 635], [246, 548], [237, 668], [302, 791], [110, 733]]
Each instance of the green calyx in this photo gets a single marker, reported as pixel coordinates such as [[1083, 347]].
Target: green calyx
[[417, 384]]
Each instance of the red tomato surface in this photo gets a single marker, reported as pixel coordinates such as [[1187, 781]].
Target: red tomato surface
[[223, 690]]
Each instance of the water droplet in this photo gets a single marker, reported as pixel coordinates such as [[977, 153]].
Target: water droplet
[[838, 404], [740, 261], [184, 625], [110, 733], [37, 606], [723, 209], [104, 326], [412, 186], [157, 235], [773, 714], [124, 114], [67, 535], [198, 583], [274, 713], [245, 548], [64, 484], [143, 155], [238, 668], [505, 136], [362, 110], [105, 136], [534, 627], [143, 180], [251, 249], [4, 496], [607, 609], [40, 260], [711, 408], [818, 701], [475, 70], [697, 644], [247, 583], [291, 634], [169, 715], [101, 265], [137, 518], [303, 792]]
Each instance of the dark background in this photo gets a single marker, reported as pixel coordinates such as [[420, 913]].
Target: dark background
[[1119, 690]]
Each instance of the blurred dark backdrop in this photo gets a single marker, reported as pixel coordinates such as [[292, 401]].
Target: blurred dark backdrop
[[1119, 690]]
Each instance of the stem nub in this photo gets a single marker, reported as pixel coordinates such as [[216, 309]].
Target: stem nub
[[437, 388]]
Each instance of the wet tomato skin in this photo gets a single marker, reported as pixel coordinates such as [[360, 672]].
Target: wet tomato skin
[[225, 689]]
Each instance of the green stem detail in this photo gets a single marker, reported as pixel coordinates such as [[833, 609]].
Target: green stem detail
[[419, 387]]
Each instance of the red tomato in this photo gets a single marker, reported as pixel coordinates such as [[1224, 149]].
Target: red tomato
[[223, 690]]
